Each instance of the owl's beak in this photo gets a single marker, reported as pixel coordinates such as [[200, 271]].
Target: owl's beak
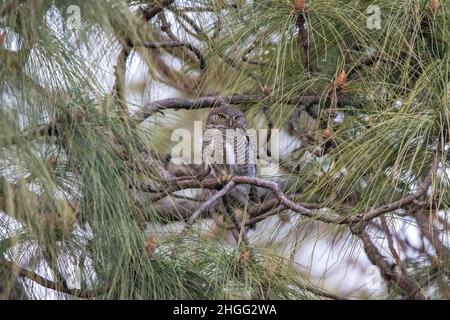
[[231, 122]]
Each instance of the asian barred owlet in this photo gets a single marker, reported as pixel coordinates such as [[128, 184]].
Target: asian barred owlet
[[228, 147]]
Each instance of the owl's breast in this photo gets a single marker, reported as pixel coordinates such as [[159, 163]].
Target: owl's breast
[[230, 147]]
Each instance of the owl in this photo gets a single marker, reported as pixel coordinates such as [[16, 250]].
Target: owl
[[228, 146]]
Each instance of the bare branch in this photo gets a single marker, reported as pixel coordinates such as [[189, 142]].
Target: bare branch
[[214, 101], [200, 103], [177, 44], [406, 284], [303, 34], [390, 241], [166, 27], [371, 214], [227, 188], [58, 286], [120, 70], [150, 13]]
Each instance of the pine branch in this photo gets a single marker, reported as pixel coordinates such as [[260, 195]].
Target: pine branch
[[214, 101], [58, 286], [152, 12], [176, 44], [405, 283]]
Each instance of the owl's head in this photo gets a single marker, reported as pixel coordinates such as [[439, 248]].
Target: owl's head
[[226, 117]]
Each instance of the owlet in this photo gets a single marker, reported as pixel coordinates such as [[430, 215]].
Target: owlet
[[228, 146]]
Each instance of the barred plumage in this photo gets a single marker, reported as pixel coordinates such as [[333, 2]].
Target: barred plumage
[[228, 147]]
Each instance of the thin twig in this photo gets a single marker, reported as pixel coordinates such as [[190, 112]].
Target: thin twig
[[227, 188], [390, 241], [166, 27], [150, 13], [270, 128], [176, 44], [303, 34], [119, 72]]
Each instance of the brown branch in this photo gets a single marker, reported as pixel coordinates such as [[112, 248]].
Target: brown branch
[[200, 103], [166, 28], [200, 33], [308, 141], [303, 34], [373, 59], [390, 241], [118, 91], [171, 209], [52, 261], [58, 286], [406, 284], [252, 47], [368, 61], [268, 214], [270, 128], [227, 188], [33, 210], [120, 70], [196, 9], [177, 44], [271, 207], [148, 14], [272, 186], [197, 176], [214, 101], [287, 203]]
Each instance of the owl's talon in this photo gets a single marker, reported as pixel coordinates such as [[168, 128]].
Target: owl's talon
[[225, 178]]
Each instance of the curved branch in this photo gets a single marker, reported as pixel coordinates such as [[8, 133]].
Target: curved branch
[[423, 188], [150, 13], [118, 90], [166, 28], [58, 286], [287, 203], [120, 71], [310, 213], [405, 283], [214, 101], [10, 7], [176, 44], [227, 188]]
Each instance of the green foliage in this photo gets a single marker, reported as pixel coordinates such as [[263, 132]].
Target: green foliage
[[66, 145]]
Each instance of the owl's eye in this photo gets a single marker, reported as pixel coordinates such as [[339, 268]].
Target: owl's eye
[[237, 118], [222, 116]]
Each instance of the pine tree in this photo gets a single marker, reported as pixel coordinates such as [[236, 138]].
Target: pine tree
[[91, 204]]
